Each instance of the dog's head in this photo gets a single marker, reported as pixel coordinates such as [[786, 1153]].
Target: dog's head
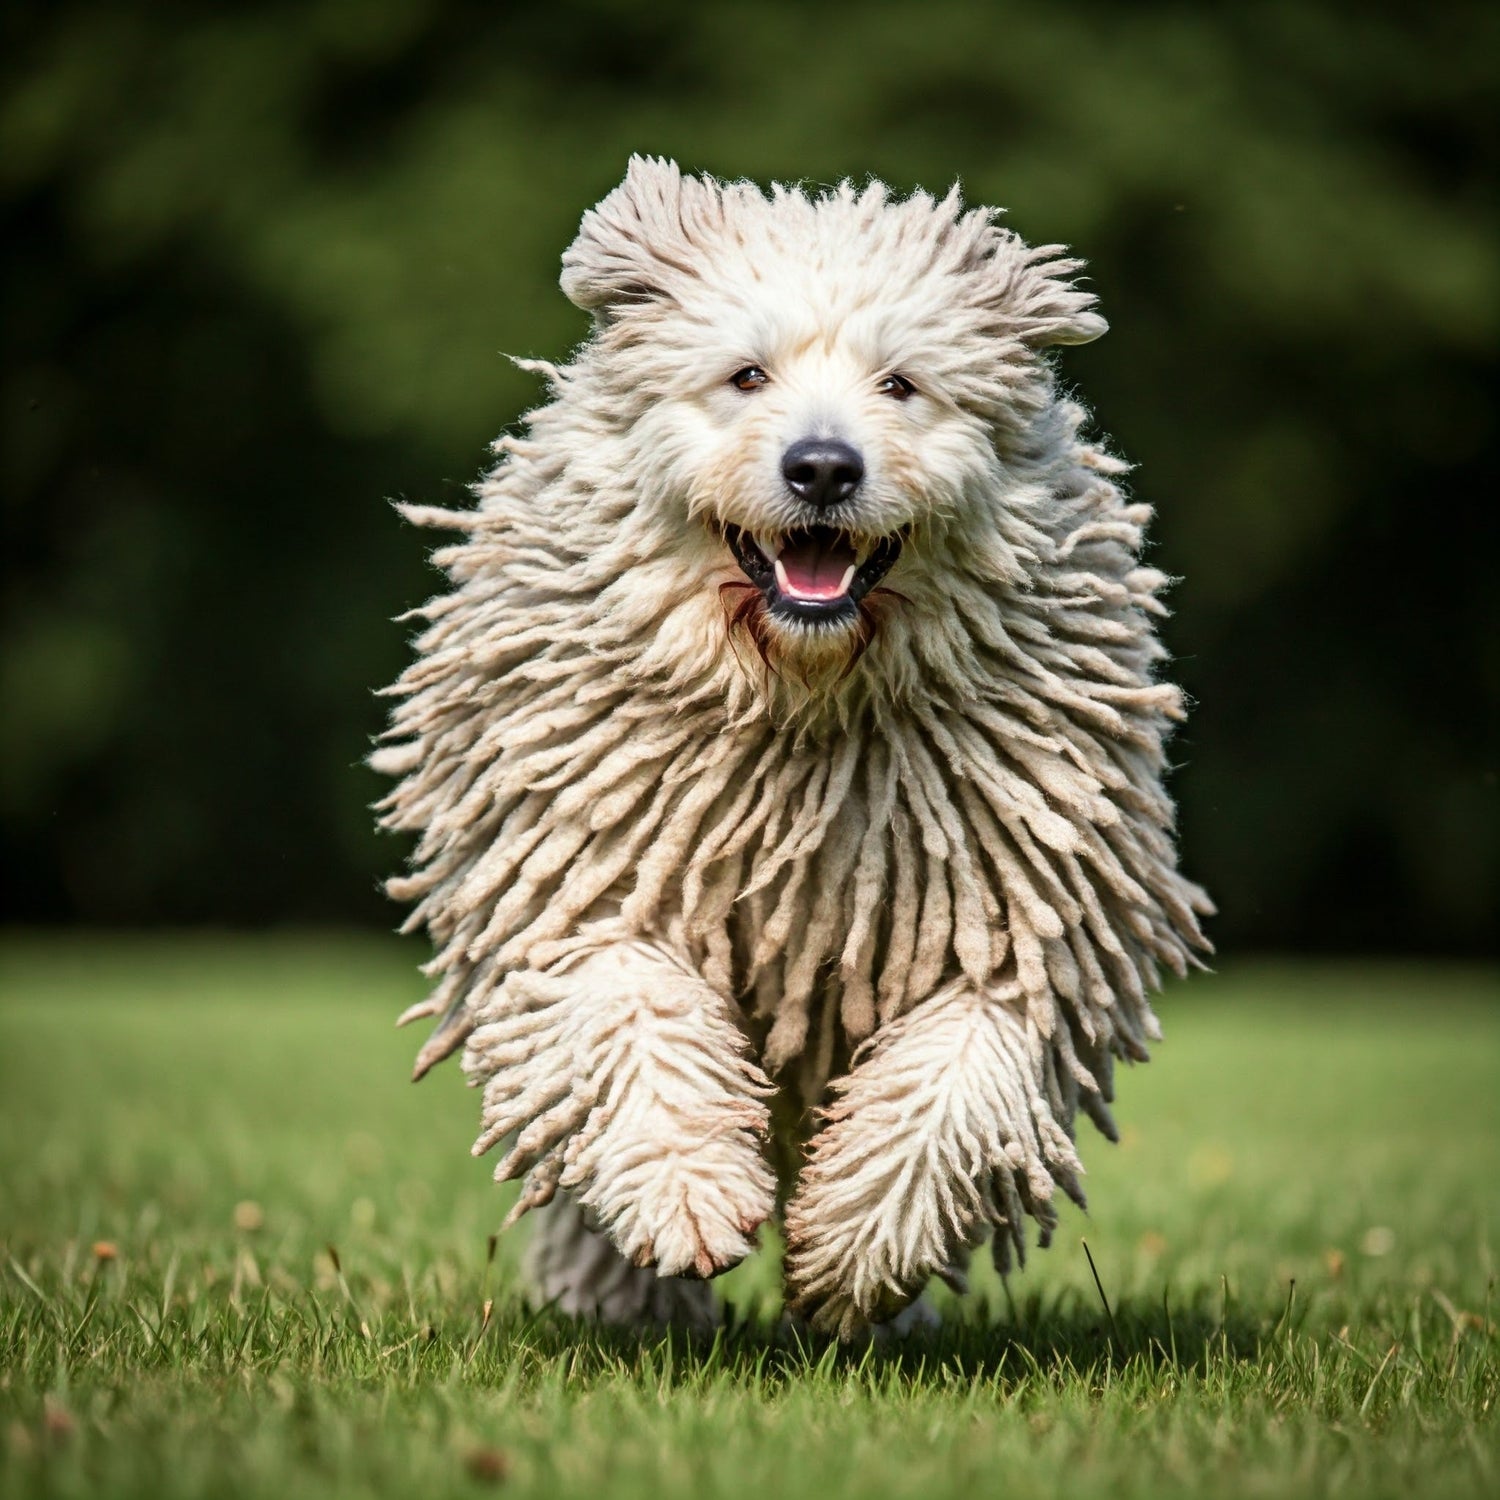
[[826, 394]]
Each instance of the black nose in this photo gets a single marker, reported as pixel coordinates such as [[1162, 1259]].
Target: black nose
[[822, 471]]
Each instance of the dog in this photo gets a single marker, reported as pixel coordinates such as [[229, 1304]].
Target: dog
[[785, 758]]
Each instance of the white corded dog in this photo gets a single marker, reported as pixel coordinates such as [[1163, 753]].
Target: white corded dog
[[788, 748]]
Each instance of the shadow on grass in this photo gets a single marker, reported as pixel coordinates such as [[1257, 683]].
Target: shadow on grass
[[107, 1320], [1057, 1344]]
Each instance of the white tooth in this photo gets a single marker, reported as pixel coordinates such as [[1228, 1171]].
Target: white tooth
[[781, 582], [848, 579]]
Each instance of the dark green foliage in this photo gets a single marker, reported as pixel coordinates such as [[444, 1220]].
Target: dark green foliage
[[261, 263]]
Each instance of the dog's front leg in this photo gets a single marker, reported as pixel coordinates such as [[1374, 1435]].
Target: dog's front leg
[[948, 1127], [625, 1080]]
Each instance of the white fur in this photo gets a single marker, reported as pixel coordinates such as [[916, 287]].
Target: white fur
[[654, 863]]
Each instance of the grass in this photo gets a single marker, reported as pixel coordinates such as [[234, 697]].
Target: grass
[[239, 1255]]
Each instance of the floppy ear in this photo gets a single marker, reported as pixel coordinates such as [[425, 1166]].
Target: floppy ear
[[1050, 308], [630, 248]]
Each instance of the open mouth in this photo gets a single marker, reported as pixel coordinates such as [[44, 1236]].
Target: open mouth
[[814, 574]]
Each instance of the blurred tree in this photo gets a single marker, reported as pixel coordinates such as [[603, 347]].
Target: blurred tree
[[261, 260]]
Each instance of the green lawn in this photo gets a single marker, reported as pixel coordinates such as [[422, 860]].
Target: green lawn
[[240, 1255]]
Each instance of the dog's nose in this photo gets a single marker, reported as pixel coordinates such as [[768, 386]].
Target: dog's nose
[[822, 471]]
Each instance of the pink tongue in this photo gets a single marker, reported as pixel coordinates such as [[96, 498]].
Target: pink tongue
[[815, 570]]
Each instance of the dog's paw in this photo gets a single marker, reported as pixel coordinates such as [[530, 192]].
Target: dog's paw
[[684, 1197], [916, 1318], [941, 1135], [840, 1317], [622, 1078], [575, 1269], [849, 1309]]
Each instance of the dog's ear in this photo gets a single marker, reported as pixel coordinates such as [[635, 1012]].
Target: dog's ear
[[1048, 306], [631, 247]]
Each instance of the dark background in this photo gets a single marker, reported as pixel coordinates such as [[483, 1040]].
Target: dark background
[[261, 262]]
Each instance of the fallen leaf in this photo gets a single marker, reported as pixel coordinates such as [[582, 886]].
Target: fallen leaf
[[488, 1465]]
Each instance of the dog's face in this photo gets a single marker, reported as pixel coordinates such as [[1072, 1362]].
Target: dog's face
[[816, 386]]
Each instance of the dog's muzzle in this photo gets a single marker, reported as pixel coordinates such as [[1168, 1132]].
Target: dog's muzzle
[[813, 575]]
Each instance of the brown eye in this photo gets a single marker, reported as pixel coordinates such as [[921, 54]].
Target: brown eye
[[898, 386], [749, 378]]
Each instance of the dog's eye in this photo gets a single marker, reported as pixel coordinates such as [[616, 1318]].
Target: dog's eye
[[749, 378], [897, 386]]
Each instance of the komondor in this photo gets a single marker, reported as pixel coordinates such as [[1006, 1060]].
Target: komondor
[[785, 758]]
